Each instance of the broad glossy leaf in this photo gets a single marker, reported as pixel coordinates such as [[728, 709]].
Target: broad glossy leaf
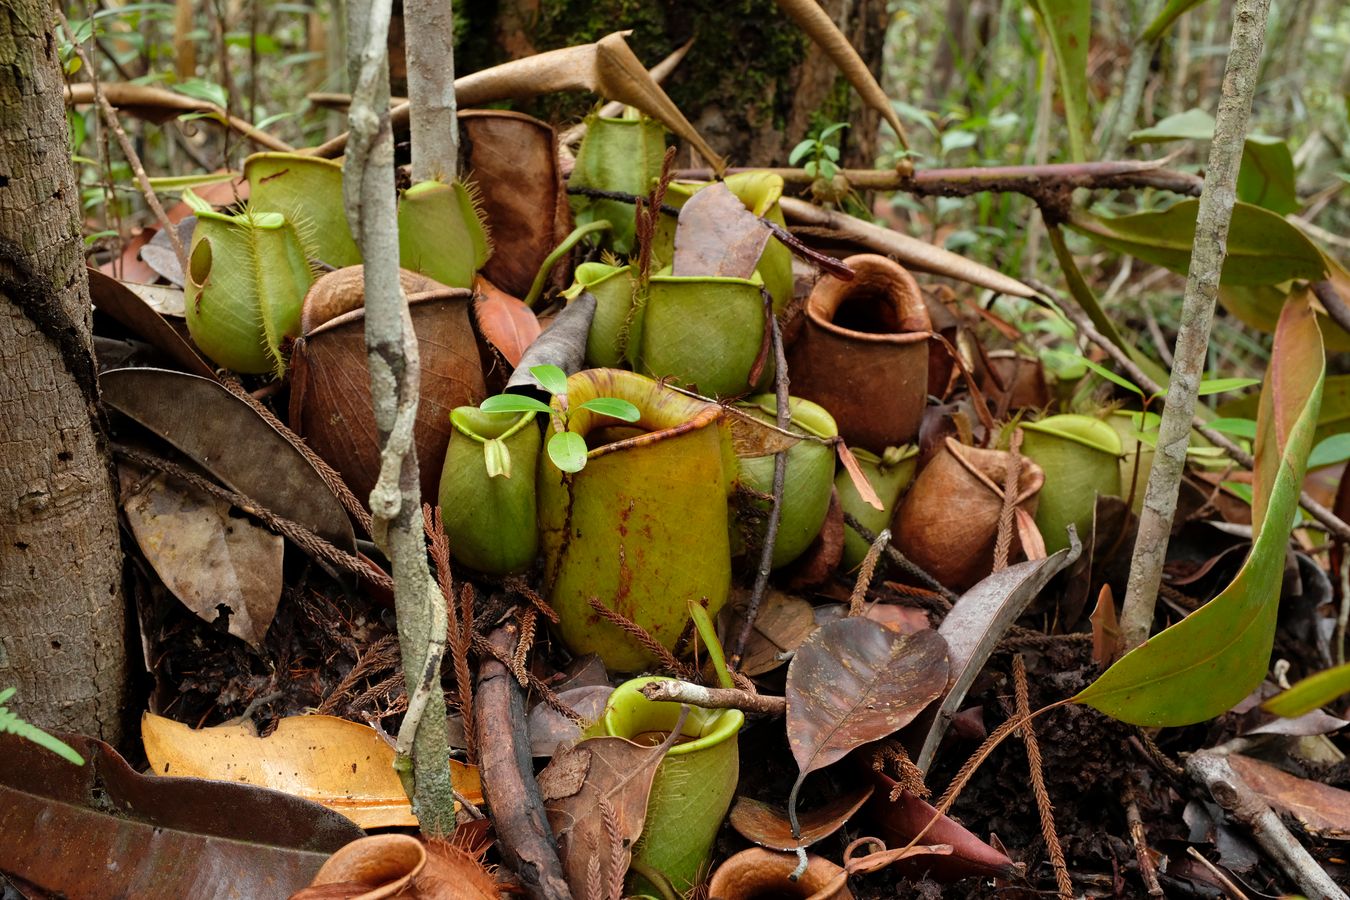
[[1069, 25], [1204, 664], [1263, 248], [568, 451], [513, 403], [1329, 452], [1266, 177], [976, 623], [614, 408], [1191, 125], [553, 379], [505, 321], [1310, 693], [1243, 428], [1174, 10], [854, 681]]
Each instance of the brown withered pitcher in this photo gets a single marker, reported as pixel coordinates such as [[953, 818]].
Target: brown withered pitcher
[[861, 351], [948, 522], [330, 389]]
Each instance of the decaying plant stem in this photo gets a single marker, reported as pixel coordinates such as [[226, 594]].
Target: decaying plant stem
[[1197, 315], [368, 187], [429, 30], [714, 698]]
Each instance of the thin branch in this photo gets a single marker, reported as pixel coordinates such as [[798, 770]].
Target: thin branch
[[906, 565], [131, 96], [714, 698], [429, 29]]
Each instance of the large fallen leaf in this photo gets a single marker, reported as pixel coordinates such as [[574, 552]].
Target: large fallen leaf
[[1310, 693], [103, 830], [1322, 810], [1068, 24], [818, 25], [853, 682], [130, 310], [975, 625], [1216, 656], [912, 252], [768, 826], [342, 765], [607, 67], [214, 563], [1263, 248], [782, 623], [230, 440], [717, 235], [605, 777]]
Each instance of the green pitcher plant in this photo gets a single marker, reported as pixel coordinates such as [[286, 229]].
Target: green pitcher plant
[[642, 528], [307, 190], [621, 155], [889, 474], [441, 232], [245, 284], [1081, 458]]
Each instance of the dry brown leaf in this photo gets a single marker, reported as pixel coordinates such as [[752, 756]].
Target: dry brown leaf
[[1105, 629], [718, 236], [783, 622], [768, 826], [1322, 810], [345, 766], [214, 563]]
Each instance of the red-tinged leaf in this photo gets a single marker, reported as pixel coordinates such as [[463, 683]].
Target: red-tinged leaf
[[1105, 629], [718, 236], [1322, 810], [504, 320], [898, 821], [853, 682], [62, 828], [768, 826], [1216, 656], [578, 784], [855, 475], [975, 624]]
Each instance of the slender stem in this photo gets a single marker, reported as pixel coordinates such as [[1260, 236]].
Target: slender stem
[[714, 698], [429, 30], [391, 345], [1197, 315]]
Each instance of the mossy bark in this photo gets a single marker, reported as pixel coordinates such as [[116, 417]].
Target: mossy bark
[[752, 84], [62, 620]]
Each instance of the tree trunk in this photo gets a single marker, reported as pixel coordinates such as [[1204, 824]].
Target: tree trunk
[[62, 620], [752, 84]]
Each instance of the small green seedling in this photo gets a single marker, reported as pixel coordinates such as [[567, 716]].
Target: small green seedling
[[10, 722], [567, 449], [824, 156]]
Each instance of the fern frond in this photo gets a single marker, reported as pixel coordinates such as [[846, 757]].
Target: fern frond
[[12, 723]]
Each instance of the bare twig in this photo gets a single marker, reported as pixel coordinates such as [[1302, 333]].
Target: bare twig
[[784, 418], [1147, 870], [1234, 891], [391, 346], [1213, 771], [144, 95], [714, 698], [895, 556]]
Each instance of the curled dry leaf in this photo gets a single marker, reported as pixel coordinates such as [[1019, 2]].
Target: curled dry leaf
[[214, 563], [507, 323], [347, 767], [783, 622], [578, 783], [129, 309], [852, 682], [718, 236], [768, 826], [898, 821]]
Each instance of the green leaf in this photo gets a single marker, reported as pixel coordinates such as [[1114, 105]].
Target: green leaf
[[1243, 428], [1099, 369], [1263, 248], [1191, 125], [181, 182], [195, 203], [1266, 177], [1069, 26], [1174, 10], [833, 130], [1310, 693], [800, 151], [1333, 450], [497, 458], [1203, 665], [957, 140], [514, 403], [1210, 386], [553, 379], [567, 449], [830, 152], [613, 407]]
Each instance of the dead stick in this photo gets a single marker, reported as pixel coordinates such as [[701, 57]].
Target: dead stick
[[1147, 870], [509, 787], [714, 698], [908, 566], [1213, 771]]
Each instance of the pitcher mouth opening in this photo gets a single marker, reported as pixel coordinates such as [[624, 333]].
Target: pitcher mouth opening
[[664, 413], [882, 303]]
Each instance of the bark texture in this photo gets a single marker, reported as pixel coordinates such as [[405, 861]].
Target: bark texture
[[62, 622], [752, 84]]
